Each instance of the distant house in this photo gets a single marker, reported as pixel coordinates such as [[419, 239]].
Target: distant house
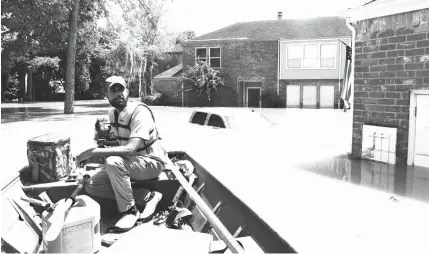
[[391, 87], [168, 73], [302, 61], [172, 58]]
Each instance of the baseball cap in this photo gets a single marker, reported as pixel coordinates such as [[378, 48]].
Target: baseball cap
[[116, 80]]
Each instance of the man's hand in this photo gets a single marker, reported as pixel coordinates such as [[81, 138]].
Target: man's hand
[[84, 155]]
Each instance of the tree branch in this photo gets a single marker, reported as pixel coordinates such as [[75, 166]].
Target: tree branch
[[146, 9]]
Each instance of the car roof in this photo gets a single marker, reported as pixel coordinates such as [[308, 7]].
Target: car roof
[[236, 116], [223, 111]]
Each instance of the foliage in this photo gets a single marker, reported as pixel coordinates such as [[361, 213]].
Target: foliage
[[129, 44], [157, 99], [39, 28], [270, 99], [185, 35], [140, 39], [44, 63], [201, 79], [12, 88]]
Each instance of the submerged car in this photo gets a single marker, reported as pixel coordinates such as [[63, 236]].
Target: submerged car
[[227, 118]]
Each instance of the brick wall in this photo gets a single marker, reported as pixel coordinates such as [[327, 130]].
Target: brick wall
[[246, 61], [317, 82], [391, 59], [169, 87]]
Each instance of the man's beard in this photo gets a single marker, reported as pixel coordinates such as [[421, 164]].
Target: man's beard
[[118, 104]]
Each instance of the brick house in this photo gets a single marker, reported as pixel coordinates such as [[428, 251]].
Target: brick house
[[301, 61], [391, 87]]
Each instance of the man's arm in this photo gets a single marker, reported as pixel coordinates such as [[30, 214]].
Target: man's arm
[[130, 148], [126, 150], [142, 124]]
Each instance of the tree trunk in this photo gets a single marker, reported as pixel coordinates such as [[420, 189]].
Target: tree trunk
[[140, 81], [30, 89], [148, 75], [143, 84], [70, 59], [4, 78]]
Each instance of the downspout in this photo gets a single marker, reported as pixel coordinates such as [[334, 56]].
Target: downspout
[[352, 74], [339, 75], [278, 68]]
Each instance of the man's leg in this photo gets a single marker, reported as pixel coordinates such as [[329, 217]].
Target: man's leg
[[115, 180]]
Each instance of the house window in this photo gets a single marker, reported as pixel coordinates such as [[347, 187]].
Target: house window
[[201, 54], [294, 56], [310, 56], [214, 57], [327, 56]]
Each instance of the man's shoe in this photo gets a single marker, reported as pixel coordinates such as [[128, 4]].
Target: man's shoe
[[128, 219], [151, 204]]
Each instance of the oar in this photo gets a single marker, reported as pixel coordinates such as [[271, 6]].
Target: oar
[[58, 216]]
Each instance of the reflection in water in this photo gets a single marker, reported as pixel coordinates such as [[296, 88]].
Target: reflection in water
[[410, 181], [26, 113]]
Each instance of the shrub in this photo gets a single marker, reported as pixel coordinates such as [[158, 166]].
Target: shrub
[[12, 87], [157, 99], [270, 99], [202, 79]]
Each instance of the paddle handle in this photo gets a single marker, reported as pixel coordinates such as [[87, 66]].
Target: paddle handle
[[59, 214], [57, 220]]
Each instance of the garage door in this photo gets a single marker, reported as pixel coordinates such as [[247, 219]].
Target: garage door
[[326, 96], [293, 93], [421, 150], [309, 97]]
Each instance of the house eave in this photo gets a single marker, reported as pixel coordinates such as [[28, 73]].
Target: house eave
[[225, 40], [316, 39], [383, 8]]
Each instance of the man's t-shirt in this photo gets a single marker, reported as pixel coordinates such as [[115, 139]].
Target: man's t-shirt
[[143, 126]]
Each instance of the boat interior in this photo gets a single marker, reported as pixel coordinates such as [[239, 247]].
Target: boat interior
[[218, 220]]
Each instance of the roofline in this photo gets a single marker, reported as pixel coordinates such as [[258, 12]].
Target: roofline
[[383, 8], [317, 39], [166, 78], [194, 42]]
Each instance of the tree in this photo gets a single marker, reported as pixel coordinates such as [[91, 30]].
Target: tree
[[185, 35], [201, 79], [70, 59], [39, 28], [141, 40]]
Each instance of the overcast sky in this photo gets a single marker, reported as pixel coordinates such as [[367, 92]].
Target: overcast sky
[[204, 16]]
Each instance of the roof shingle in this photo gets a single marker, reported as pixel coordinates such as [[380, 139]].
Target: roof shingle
[[321, 27]]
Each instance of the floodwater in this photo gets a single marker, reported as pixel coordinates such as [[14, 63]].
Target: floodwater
[[399, 180], [301, 134], [50, 111]]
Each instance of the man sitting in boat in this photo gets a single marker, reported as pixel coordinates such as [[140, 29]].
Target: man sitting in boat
[[139, 155]]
